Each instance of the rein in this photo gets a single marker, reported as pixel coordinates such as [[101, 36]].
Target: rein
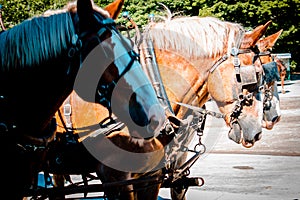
[[198, 109]]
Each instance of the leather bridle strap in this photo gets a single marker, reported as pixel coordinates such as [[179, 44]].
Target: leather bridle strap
[[218, 63], [67, 111], [198, 109]]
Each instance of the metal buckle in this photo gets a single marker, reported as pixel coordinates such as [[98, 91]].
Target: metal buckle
[[67, 109], [234, 51]]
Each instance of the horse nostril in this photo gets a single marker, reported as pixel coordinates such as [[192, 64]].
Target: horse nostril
[[257, 136], [275, 119], [247, 144], [278, 118]]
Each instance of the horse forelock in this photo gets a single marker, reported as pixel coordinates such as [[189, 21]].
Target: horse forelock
[[35, 40], [198, 37]]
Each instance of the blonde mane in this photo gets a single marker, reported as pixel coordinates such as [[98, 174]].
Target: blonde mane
[[197, 37], [72, 7]]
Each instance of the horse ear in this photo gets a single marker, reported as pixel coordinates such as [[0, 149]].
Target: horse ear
[[263, 30], [85, 13], [273, 38], [115, 8], [269, 41], [250, 39]]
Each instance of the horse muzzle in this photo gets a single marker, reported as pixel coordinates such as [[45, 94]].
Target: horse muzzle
[[270, 124], [236, 134], [245, 133], [157, 119], [147, 124]]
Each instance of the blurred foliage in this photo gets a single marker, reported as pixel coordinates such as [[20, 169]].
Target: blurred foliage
[[285, 14]]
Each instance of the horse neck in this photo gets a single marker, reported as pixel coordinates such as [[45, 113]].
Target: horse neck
[[187, 51], [183, 80]]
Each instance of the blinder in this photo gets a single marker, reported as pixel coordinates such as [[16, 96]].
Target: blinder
[[270, 72], [246, 74]]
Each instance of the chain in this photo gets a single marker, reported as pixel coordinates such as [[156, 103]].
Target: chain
[[268, 96], [237, 110], [200, 147]]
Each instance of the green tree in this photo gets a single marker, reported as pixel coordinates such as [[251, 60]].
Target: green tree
[[15, 11], [284, 15]]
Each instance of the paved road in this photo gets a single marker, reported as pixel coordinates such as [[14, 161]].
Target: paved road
[[268, 171]]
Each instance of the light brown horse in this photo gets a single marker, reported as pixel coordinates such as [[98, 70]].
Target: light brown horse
[[170, 52], [271, 115], [185, 71], [165, 58]]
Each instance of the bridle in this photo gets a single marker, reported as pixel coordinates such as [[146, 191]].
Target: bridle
[[247, 77], [75, 55], [104, 90]]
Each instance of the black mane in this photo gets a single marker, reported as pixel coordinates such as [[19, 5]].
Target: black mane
[[35, 40]]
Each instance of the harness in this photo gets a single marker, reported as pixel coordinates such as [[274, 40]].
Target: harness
[[182, 129], [193, 123], [246, 77]]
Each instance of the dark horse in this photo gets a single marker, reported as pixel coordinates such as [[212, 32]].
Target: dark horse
[[42, 60]]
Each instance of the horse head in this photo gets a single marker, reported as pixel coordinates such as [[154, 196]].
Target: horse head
[[272, 113], [229, 71], [239, 96], [111, 74]]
